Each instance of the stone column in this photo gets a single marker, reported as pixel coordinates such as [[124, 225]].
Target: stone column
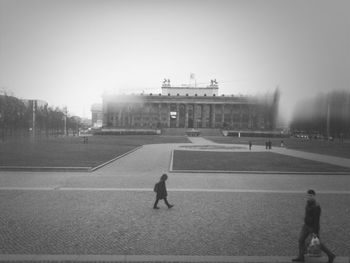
[[212, 106], [177, 115], [223, 114], [204, 125], [114, 120], [201, 115], [250, 119], [160, 114], [132, 116], [231, 120], [186, 116], [168, 115], [194, 116], [125, 117], [129, 116], [150, 116], [132, 121], [240, 116], [120, 117]]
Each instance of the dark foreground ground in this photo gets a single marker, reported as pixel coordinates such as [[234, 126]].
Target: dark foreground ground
[[109, 211], [201, 223]]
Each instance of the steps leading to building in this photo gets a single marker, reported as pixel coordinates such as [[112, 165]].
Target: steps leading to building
[[182, 131], [174, 131], [210, 132]]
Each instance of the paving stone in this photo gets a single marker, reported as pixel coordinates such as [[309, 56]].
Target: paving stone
[[201, 223], [51, 218]]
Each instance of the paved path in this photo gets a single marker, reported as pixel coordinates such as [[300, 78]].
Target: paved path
[[107, 215], [314, 157]]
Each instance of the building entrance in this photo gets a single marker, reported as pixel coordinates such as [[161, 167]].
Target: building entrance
[[182, 116]]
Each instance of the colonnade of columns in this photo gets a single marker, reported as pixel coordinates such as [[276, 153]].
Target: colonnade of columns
[[178, 115]]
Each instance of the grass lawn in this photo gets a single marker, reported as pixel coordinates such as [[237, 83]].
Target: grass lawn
[[247, 161], [71, 152], [334, 148]]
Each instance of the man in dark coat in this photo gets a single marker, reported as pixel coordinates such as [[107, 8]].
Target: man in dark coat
[[160, 189], [311, 226]]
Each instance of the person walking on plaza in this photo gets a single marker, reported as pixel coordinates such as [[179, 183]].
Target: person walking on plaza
[[250, 145], [311, 226], [160, 189]]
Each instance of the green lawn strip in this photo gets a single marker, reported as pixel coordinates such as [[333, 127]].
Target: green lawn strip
[[63, 155], [334, 148], [247, 161], [72, 152]]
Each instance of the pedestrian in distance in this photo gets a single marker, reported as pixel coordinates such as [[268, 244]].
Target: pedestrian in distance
[[266, 145], [270, 144], [160, 189], [250, 145], [311, 226]]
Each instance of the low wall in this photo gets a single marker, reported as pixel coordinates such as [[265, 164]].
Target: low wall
[[270, 134], [127, 132]]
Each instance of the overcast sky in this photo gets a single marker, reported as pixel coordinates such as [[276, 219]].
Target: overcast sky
[[70, 52]]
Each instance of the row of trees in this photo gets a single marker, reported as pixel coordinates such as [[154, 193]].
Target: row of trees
[[34, 118], [326, 114]]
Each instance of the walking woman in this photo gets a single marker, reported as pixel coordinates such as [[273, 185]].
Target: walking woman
[[160, 189]]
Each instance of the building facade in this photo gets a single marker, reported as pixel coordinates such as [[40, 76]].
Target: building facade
[[190, 107], [96, 115]]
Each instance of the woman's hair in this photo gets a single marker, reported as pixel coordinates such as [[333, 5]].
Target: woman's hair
[[311, 192], [164, 177]]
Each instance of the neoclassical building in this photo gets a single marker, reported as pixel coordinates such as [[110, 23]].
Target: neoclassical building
[[196, 107]]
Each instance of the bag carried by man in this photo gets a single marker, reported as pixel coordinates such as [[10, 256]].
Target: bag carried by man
[[314, 246]]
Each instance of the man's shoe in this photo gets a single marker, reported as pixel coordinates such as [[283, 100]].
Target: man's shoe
[[298, 259], [170, 206], [331, 258], [156, 207]]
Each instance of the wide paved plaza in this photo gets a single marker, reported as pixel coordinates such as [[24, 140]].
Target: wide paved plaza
[[107, 215]]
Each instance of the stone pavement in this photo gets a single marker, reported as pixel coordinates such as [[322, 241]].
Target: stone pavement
[[107, 215]]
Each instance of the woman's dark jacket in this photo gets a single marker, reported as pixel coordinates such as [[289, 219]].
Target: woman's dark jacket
[[161, 190], [312, 216]]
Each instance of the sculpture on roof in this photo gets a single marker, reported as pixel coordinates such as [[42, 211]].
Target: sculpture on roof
[[213, 82], [166, 82]]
